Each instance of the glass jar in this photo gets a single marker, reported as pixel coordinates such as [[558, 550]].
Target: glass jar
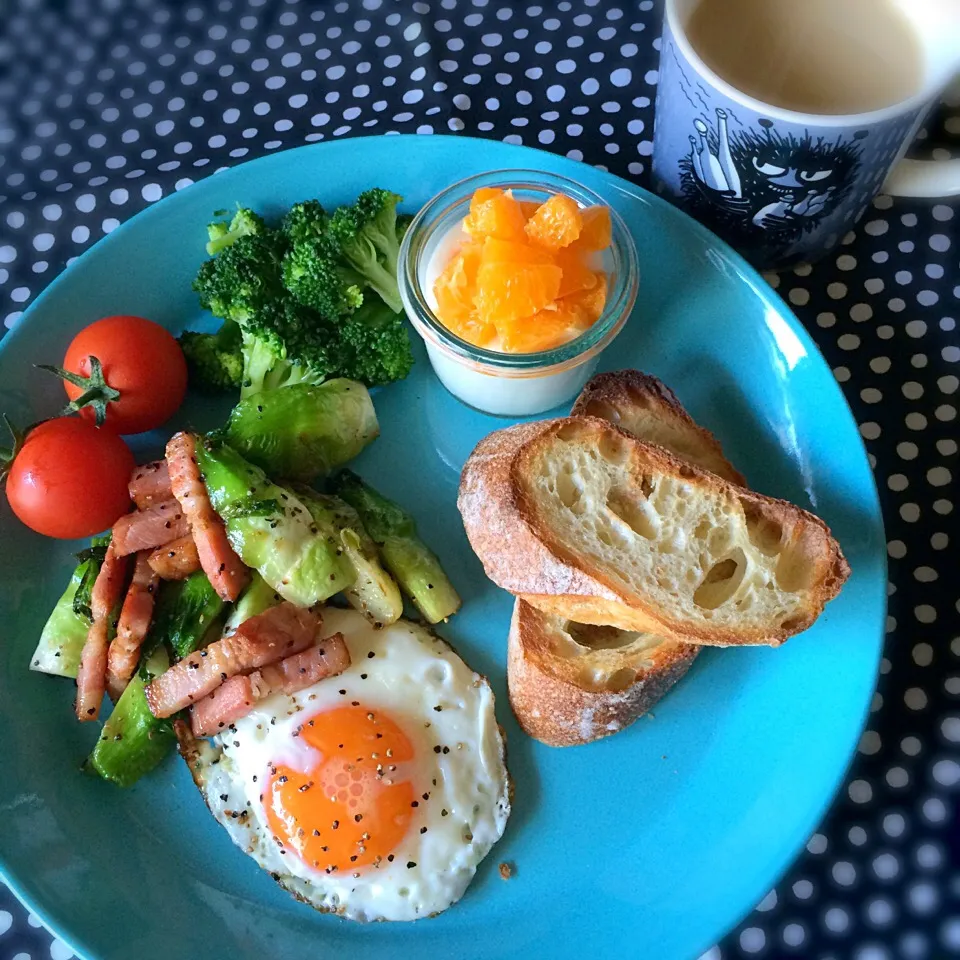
[[495, 381]]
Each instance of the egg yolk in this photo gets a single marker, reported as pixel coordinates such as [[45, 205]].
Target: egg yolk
[[354, 807]]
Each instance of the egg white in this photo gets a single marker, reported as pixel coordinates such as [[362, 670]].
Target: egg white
[[410, 673]]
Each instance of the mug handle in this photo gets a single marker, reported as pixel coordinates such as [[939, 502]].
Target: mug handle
[[924, 178], [927, 179]]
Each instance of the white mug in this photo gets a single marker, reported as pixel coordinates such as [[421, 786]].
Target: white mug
[[714, 144]]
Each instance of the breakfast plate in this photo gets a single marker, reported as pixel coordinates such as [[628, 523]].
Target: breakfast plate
[[672, 829]]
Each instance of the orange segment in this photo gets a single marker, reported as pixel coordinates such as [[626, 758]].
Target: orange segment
[[596, 233], [469, 327], [513, 251], [509, 291], [587, 305], [544, 330], [557, 222], [576, 274], [494, 214], [529, 207]]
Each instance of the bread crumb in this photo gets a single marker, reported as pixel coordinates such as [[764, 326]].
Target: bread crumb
[[506, 871]]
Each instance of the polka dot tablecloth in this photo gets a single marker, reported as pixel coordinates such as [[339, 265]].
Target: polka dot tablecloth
[[106, 106]]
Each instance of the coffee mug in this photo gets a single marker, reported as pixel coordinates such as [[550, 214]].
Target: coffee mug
[[781, 186]]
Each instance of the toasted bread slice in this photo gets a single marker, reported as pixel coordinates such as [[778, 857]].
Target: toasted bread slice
[[585, 521], [573, 683], [649, 409]]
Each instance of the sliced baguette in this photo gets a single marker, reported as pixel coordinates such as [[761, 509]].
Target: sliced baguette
[[589, 523], [647, 408], [572, 683]]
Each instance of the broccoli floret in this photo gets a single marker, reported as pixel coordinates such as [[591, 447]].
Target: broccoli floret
[[365, 235], [215, 360], [294, 299], [244, 276], [320, 282], [403, 222], [305, 221], [378, 345], [222, 233], [286, 343]]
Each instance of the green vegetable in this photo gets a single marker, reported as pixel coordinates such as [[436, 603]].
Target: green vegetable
[[403, 223], [316, 279], [376, 344], [215, 360], [222, 234], [133, 741], [365, 236], [374, 592], [186, 611], [295, 291], [65, 632], [272, 530], [403, 553], [303, 431], [258, 597]]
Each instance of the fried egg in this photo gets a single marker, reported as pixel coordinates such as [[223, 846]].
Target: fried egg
[[373, 794]]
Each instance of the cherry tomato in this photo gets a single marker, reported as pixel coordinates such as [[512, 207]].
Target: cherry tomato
[[69, 479], [141, 360]]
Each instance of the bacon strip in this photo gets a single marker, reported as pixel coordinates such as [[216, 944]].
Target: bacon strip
[[150, 528], [175, 560], [132, 627], [236, 697], [276, 633], [223, 567], [92, 674], [150, 484]]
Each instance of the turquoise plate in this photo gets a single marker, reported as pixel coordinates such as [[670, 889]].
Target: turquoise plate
[[665, 834]]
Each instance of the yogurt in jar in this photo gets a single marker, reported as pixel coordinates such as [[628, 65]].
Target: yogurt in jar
[[500, 392], [499, 377]]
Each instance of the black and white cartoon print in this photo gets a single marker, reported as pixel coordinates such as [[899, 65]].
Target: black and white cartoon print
[[763, 190]]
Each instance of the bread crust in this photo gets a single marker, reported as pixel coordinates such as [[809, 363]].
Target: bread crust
[[550, 697], [521, 554], [624, 396]]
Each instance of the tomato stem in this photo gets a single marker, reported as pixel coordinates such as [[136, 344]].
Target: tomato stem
[[9, 454], [97, 393]]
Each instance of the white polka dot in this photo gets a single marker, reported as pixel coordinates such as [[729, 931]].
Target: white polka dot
[[928, 856], [857, 836], [151, 192], [752, 940], [836, 920], [6, 921], [923, 897], [860, 791], [802, 889], [880, 912], [897, 777], [43, 241], [844, 873], [817, 844], [793, 933], [768, 902], [922, 654], [869, 742], [934, 810], [886, 866], [946, 772], [60, 951], [621, 77]]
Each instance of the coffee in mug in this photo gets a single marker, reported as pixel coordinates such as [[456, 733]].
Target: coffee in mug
[[812, 56]]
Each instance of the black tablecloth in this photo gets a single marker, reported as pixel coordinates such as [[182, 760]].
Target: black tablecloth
[[106, 107]]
